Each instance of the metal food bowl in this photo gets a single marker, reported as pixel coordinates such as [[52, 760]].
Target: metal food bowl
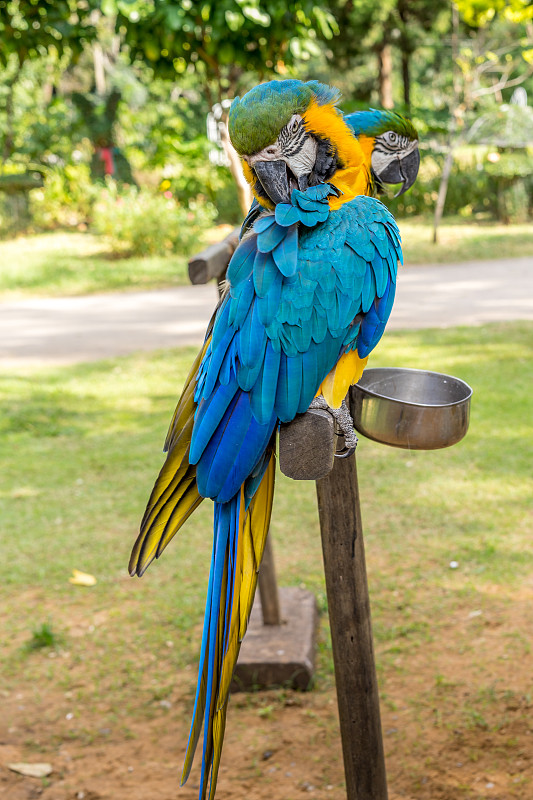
[[411, 408]]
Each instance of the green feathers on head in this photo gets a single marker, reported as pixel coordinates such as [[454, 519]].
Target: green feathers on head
[[256, 120], [374, 123]]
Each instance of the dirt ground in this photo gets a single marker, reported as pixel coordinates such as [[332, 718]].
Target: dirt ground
[[457, 723]]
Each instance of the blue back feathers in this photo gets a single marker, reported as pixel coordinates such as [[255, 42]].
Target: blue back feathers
[[297, 282]]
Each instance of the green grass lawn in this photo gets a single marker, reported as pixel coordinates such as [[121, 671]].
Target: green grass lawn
[[461, 239], [66, 263], [81, 448]]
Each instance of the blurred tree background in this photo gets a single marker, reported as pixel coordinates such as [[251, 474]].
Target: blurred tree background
[[105, 106]]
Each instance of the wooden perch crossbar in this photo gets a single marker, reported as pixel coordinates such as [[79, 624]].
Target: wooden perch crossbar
[[211, 263]]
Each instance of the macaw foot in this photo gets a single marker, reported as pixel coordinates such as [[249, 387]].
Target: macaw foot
[[344, 422]]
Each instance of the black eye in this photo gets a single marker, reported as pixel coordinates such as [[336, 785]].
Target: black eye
[[392, 137], [271, 151], [293, 126]]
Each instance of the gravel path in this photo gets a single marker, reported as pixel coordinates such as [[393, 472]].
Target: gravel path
[[50, 331]]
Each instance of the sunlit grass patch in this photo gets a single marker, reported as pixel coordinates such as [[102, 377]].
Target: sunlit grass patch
[[67, 263], [461, 240]]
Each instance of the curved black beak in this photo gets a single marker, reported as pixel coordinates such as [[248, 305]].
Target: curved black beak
[[402, 169], [274, 180], [409, 166]]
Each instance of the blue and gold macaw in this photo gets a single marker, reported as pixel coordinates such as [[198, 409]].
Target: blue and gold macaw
[[309, 291]]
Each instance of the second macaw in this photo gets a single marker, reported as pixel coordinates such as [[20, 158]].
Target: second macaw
[[309, 291]]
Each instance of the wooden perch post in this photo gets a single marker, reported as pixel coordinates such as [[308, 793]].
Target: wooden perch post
[[212, 262], [351, 632], [306, 448]]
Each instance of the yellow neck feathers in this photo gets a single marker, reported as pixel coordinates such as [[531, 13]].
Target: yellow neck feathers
[[353, 177]]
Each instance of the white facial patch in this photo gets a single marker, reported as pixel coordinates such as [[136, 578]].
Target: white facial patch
[[294, 145], [381, 159], [388, 146], [302, 162]]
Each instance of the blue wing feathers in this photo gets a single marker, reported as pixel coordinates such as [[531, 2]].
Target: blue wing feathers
[[228, 365], [269, 239], [251, 338], [240, 266], [286, 253], [221, 325], [286, 214], [373, 324], [255, 440], [242, 298], [265, 272], [263, 393], [287, 319], [268, 306], [213, 361], [264, 223]]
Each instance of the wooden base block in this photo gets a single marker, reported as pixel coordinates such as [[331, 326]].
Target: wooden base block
[[279, 655]]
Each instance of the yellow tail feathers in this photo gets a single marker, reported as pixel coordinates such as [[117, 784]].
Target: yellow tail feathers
[[174, 496]]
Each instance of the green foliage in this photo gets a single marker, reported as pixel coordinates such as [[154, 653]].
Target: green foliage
[[226, 199], [510, 172], [157, 116], [189, 174], [366, 26], [30, 27], [510, 165], [222, 39], [138, 222], [514, 201], [43, 636], [503, 125], [479, 13], [469, 189], [66, 198], [40, 128]]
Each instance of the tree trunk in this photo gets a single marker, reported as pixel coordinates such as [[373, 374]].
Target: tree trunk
[[406, 77], [7, 147], [243, 188], [99, 69], [452, 142], [385, 75], [443, 187]]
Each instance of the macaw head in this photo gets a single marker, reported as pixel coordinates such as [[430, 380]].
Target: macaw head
[[290, 135], [392, 143]]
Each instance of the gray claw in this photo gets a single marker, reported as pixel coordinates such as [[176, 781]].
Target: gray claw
[[344, 423]]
